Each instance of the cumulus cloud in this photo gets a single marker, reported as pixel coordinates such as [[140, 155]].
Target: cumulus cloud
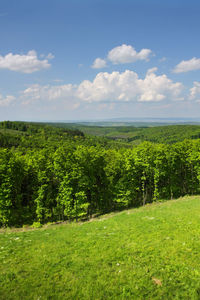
[[195, 91], [108, 88], [152, 70], [6, 101], [127, 86], [187, 65], [99, 63], [27, 63], [47, 92], [121, 55], [157, 88], [50, 56], [127, 54]]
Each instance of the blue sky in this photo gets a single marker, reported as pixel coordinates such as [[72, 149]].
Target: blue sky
[[98, 59]]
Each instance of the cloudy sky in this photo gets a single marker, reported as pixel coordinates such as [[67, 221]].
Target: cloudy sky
[[99, 59]]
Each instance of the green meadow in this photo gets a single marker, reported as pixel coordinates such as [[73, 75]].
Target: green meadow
[[152, 252]]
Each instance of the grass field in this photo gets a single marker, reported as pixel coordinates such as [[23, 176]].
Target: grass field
[[148, 253]]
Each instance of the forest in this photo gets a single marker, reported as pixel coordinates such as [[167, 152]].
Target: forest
[[137, 132], [50, 173]]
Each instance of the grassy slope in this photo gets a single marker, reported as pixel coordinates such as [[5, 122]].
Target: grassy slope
[[148, 253]]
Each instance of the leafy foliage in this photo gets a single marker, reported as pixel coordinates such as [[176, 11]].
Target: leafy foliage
[[57, 174]]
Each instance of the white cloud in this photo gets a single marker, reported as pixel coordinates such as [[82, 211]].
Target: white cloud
[[106, 87], [152, 70], [157, 88], [121, 55], [47, 92], [195, 91], [109, 87], [27, 63], [99, 63], [127, 86], [50, 56], [187, 65], [127, 54], [6, 101]]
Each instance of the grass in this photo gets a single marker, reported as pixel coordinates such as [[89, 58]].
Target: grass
[[148, 253]]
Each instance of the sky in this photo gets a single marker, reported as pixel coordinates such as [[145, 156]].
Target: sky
[[63, 60]]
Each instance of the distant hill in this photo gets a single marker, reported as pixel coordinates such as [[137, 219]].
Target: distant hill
[[136, 134]]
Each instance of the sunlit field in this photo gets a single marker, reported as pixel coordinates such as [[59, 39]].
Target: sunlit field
[[147, 253]]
